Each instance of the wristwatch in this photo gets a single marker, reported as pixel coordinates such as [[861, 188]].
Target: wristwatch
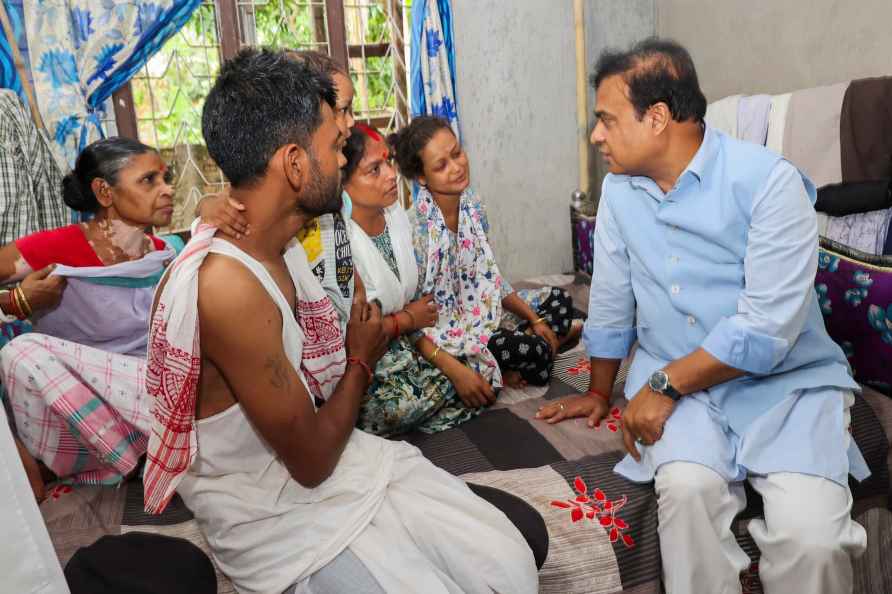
[[659, 382]]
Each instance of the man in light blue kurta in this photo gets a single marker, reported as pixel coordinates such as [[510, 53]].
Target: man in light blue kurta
[[705, 253]]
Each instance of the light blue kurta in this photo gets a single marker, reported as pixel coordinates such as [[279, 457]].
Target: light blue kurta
[[725, 261]]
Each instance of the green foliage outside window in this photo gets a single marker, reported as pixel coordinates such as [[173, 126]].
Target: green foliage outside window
[[170, 92]]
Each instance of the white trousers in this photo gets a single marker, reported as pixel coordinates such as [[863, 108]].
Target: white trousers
[[807, 539]]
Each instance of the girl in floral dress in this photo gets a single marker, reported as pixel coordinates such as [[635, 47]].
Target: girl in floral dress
[[492, 330]]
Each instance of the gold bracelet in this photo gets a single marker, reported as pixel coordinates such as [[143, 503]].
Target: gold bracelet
[[26, 307], [20, 311], [539, 321], [14, 304], [434, 355]]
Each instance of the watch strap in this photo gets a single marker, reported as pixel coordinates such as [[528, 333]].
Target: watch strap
[[672, 393]]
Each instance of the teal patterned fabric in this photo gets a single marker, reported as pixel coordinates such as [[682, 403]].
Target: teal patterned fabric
[[408, 393], [385, 246]]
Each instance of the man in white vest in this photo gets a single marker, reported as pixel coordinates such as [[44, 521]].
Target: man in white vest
[[245, 347]]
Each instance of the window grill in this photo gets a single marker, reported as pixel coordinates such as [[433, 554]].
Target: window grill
[[370, 36]]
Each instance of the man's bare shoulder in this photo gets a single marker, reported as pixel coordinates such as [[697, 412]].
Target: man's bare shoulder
[[229, 292], [241, 344]]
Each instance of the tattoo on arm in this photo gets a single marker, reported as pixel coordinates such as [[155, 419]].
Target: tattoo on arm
[[277, 373]]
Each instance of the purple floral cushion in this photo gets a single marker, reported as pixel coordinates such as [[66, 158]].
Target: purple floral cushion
[[855, 293]]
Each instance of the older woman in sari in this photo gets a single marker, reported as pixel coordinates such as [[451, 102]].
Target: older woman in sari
[[75, 385]]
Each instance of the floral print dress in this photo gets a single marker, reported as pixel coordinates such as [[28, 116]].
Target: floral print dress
[[460, 270]]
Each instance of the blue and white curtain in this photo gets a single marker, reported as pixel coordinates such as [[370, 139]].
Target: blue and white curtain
[[433, 61], [81, 51], [9, 76]]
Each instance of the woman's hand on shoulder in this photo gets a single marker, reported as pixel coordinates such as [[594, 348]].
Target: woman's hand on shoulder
[[225, 214]]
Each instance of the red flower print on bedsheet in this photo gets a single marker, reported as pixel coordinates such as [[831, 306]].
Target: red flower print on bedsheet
[[582, 366], [596, 506], [613, 421], [60, 490]]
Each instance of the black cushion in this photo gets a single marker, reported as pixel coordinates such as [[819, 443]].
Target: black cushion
[[141, 563], [527, 520], [839, 200]]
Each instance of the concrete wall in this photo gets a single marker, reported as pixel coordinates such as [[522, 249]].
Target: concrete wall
[[776, 46], [516, 86], [613, 24]]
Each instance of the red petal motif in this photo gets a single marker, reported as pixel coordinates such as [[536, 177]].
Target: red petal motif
[[60, 490], [616, 413], [597, 506], [612, 426]]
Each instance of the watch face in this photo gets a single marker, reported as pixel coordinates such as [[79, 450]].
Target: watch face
[[658, 381]]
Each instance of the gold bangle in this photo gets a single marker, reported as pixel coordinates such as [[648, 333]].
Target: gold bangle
[[26, 307], [18, 304], [14, 302], [434, 355], [14, 295], [539, 321]]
